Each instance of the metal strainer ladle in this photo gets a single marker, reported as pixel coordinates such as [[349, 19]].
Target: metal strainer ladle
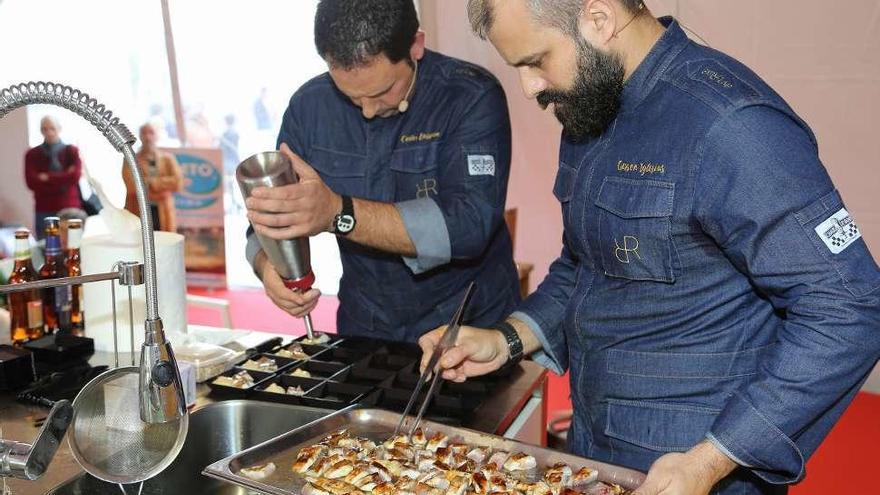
[[107, 436]]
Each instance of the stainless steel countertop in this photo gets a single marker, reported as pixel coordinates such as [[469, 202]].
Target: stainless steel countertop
[[17, 419]]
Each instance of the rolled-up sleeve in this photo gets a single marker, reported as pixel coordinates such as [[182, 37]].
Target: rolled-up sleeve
[[426, 226], [769, 204], [474, 161], [544, 311], [253, 247]]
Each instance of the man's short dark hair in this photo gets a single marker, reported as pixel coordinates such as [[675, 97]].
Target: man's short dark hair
[[561, 14], [350, 33]]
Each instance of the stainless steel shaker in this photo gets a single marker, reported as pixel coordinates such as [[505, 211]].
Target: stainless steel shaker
[[290, 257]]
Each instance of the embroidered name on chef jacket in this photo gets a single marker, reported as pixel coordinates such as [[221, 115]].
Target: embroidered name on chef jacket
[[839, 231], [481, 164]]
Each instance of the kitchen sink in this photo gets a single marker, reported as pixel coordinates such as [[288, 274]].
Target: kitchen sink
[[216, 431]]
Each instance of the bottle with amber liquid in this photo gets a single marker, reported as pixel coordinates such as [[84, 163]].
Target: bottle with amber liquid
[[56, 300], [71, 261], [25, 308]]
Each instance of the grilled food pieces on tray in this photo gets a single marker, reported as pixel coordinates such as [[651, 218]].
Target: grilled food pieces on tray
[[434, 465]]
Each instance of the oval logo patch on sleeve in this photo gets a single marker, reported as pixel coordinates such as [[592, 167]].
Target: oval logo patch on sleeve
[[839, 231]]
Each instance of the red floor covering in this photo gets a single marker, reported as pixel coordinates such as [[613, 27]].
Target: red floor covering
[[850, 448]]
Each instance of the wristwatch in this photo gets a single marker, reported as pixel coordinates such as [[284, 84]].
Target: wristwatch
[[344, 222], [514, 343]]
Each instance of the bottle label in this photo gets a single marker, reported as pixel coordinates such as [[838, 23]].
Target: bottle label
[[53, 245], [22, 249], [35, 313], [74, 238]]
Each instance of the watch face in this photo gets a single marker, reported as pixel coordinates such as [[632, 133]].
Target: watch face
[[345, 224]]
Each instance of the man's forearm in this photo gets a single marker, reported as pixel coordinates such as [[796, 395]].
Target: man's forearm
[[714, 464], [380, 226]]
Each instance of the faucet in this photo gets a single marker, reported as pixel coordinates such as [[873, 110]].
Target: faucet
[[160, 394], [29, 462]]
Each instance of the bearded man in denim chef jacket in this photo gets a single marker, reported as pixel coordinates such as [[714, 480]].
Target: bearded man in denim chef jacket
[[714, 300]]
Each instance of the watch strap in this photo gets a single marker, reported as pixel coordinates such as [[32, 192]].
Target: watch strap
[[514, 343], [346, 215]]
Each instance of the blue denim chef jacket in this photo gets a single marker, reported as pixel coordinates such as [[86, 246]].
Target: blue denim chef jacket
[[445, 165], [694, 297]]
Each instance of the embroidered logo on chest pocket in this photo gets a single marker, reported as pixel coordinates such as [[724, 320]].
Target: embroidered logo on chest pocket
[[630, 246]]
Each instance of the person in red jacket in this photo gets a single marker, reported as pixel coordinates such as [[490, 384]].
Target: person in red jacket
[[52, 172]]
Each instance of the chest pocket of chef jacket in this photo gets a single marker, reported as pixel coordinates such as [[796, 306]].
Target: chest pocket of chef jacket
[[344, 172], [635, 229], [415, 172]]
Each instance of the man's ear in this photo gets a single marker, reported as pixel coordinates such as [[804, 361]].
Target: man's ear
[[417, 50], [598, 22]]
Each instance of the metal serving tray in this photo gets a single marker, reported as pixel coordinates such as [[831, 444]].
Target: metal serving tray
[[377, 425]]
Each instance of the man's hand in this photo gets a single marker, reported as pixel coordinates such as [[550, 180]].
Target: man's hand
[[476, 352], [693, 473], [303, 209], [43, 176], [297, 304]]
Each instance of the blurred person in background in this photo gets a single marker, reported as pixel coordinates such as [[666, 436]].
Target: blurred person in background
[[162, 178], [198, 130], [229, 146], [262, 114], [52, 171]]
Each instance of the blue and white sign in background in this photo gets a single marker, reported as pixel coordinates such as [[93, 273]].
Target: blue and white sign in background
[[200, 215]]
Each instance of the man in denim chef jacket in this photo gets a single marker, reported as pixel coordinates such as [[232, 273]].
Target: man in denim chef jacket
[[404, 154], [714, 300]]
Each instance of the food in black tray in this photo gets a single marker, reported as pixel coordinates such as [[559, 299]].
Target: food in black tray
[[261, 363], [237, 382], [295, 390], [285, 383], [267, 363], [315, 368], [322, 339], [292, 351], [434, 464]]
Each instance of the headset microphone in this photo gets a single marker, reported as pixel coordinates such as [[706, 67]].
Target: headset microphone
[[404, 104]]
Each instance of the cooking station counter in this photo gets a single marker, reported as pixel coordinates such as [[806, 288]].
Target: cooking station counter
[[514, 408]]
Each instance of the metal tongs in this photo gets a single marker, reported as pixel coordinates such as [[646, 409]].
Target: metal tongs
[[446, 343]]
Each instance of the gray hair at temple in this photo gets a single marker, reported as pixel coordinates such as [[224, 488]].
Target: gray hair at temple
[[53, 119], [560, 14]]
